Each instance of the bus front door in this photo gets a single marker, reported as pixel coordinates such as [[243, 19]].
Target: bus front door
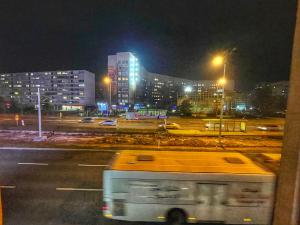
[[211, 200]]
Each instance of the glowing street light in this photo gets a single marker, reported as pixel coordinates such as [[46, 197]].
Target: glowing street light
[[222, 81], [188, 89], [218, 60], [107, 81]]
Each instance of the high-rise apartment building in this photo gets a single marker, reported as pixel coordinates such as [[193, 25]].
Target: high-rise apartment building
[[279, 88], [124, 71], [65, 90], [132, 84]]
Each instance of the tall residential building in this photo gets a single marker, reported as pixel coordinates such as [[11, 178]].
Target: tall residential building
[[132, 84], [205, 95], [124, 71], [160, 90], [65, 90], [279, 88]]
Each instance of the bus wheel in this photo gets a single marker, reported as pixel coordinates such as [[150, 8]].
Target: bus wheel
[[176, 217]]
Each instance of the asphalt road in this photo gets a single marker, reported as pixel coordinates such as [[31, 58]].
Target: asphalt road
[[72, 124], [60, 188], [53, 187]]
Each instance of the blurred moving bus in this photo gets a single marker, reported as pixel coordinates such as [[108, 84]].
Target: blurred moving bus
[[180, 187]]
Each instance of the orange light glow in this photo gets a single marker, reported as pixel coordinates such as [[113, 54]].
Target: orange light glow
[[222, 81], [218, 60], [107, 80]]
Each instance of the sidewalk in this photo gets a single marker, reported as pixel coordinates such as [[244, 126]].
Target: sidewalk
[[224, 133], [115, 148]]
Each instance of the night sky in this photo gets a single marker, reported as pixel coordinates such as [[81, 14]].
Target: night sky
[[176, 38]]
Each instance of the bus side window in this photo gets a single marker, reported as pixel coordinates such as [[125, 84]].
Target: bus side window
[[120, 185], [212, 194], [143, 191], [203, 195]]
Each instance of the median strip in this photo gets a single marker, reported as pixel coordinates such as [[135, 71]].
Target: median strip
[[35, 164], [90, 165], [79, 189]]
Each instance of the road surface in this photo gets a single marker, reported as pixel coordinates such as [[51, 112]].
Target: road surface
[[53, 187], [57, 187], [72, 124]]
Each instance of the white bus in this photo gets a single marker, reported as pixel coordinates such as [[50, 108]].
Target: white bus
[[180, 187]]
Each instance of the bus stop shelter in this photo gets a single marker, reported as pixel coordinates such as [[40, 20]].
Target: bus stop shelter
[[230, 125]]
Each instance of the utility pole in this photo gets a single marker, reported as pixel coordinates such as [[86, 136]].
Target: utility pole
[[287, 207], [39, 114], [222, 101], [39, 106], [109, 95]]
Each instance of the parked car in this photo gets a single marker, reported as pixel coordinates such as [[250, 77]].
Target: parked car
[[167, 126], [86, 120], [270, 127], [108, 123]]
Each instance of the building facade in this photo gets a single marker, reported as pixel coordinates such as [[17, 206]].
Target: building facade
[[279, 88], [205, 96], [160, 91], [133, 85], [124, 71], [65, 90]]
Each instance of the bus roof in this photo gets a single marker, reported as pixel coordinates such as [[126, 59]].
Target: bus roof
[[273, 156], [186, 162]]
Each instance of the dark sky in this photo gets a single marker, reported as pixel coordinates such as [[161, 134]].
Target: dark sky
[[170, 37]]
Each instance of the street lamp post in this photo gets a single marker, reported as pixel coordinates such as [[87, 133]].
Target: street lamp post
[[39, 107], [107, 81], [222, 81], [39, 113], [217, 61]]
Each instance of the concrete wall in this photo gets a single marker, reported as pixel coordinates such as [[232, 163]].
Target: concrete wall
[[288, 192]]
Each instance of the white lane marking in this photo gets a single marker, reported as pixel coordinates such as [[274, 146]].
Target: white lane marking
[[36, 164], [78, 189], [56, 149], [90, 165], [7, 186]]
